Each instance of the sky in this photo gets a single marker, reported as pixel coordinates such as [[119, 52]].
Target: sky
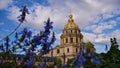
[[98, 20]]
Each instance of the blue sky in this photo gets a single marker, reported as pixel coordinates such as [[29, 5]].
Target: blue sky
[[98, 20]]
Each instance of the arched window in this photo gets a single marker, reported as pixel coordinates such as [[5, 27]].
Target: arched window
[[76, 49], [71, 40], [75, 32], [67, 50], [66, 32], [76, 40], [66, 40], [58, 51], [71, 31]]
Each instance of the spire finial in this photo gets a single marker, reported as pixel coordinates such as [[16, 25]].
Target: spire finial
[[70, 16]]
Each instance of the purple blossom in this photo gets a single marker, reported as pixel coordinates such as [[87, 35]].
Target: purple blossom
[[40, 66], [29, 34], [91, 54], [63, 65], [26, 41], [36, 37], [41, 32], [29, 63], [16, 35], [1, 62], [64, 56], [24, 10], [31, 54], [25, 31], [78, 66], [81, 59], [24, 49], [22, 56], [2, 47], [96, 61]]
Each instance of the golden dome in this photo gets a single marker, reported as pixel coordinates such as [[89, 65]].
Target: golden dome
[[71, 24]]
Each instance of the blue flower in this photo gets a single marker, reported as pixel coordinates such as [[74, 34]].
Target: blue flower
[[32, 54], [26, 41], [16, 35], [53, 38], [55, 66], [78, 54], [91, 54], [24, 49], [2, 47], [29, 63], [25, 31], [1, 62], [24, 9], [41, 32], [63, 65], [78, 66], [36, 37], [64, 56], [96, 61], [22, 56], [81, 59], [40, 66], [29, 34], [18, 61], [74, 60]]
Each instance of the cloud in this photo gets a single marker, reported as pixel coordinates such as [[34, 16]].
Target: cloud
[[100, 27], [101, 38], [118, 19], [13, 13], [84, 12], [5, 3], [93, 15]]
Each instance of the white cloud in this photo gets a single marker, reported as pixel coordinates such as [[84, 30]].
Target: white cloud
[[13, 13], [99, 28], [118, 19], [5, 3], [85, 12], [101, 38]]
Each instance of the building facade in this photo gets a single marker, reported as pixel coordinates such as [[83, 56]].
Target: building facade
[[70, 40]]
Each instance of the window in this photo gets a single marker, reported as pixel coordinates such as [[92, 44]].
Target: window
[[78, 32], [66, 40], [75, 32], [76, 40], [67, 50], [66, 32], [76, 50], [71, 31], [58, 51], [71, 40]]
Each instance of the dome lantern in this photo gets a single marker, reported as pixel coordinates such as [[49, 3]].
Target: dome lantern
[[71, 24]]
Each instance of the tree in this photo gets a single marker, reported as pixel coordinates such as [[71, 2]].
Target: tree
[[111, 59]]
